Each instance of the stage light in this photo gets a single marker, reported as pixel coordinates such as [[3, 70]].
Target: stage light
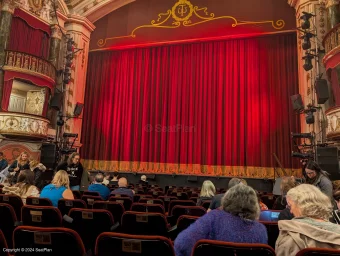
[[308, 62], [306, 44], [305, 24], [302, 135], [310, 118]]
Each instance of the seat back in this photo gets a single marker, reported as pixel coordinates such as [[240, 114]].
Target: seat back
[[318, 252], [89, 223], [180, 202], [14, 201], [38, 201], [91, 193], [179, 210], [3, 245], [138, 223], [273, 232], [89, 200], [131, 245], [206, 204], [54, 241], [206, 247], [116, 209], [151, 201], [65, 205], [138, 197], [140, 207], [7, 222], [167, 200], [180, 195], [126, 201], [76, 194], [268, 200], [270, 215], [184, 222], [41, 216]]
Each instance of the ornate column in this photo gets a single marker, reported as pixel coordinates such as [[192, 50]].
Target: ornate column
[[333, 13], [7, 10], [79, 29], [307, 78], [55, 44]]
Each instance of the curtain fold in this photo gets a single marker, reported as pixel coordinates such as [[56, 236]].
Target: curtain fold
[[6, 94], [217, 108]]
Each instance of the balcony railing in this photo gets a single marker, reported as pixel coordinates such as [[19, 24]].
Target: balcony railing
[[23, 125], [333, 119], [26, 63]]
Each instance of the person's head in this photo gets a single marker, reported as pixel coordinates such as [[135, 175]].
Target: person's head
[[208, 189], [143, 177], [241, 200], [287, 183], [33, 163], [236, 181], [107, 176], [26, 176], [115, 175], [61, 179], [23, 157], [99, 178], [307, 200], [74, 158], [336, 197], [312, 169], [122, 182]]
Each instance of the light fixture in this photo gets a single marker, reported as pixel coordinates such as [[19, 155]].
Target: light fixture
[[306, 44], [305, 24], [308, 61]]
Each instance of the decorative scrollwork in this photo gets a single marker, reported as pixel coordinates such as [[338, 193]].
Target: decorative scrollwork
[[183, 13]]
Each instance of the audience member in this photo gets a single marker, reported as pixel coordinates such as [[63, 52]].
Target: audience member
[[24, 186], [3, 162], [262, 205], [236, 222], [143, 180], [107, 178], [37, 168], [123, 188], [208, 191], [58, 189], [74, 170], [310, 227], [335, 214], [286, 184], [98, 186], [318, 178], [216, 201], [21, 163], [115, 179]]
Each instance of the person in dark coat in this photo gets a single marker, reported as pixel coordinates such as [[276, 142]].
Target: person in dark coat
[[22, 163], [3, 162]]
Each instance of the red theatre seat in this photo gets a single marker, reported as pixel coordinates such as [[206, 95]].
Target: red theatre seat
[[38, 201], [7, 222], [41, 216]]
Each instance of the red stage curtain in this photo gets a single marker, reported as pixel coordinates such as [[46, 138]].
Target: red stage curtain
[[6, 94], [204, 108], [24, 38]]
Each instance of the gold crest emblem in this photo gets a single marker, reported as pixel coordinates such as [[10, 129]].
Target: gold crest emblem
[[182, 10], [36, 5]]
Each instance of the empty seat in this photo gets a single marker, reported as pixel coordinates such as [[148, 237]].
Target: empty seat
[[207, 247], [179, 210], [89, 200], [65, 205], [180, 202], [126, 201], [38, 201], [89, 223], [151, 201], [8, 221], [184, 222], [180, 195], [41, 216], [140, 207], [138, 223], [127, 245], [14, 201], [116, 209], [91, 193], [167, 200], [51, 241], [3, 245]]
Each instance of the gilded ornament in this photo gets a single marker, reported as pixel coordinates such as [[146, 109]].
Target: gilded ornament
[[182, 10], [36, 5], [18, 60]]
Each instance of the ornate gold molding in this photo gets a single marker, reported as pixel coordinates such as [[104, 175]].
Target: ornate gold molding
[[29, 64], [15, 124], [333, 120], [8, 6], [181, 14]]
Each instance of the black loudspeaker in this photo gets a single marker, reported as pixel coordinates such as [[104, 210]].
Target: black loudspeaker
[[297, 102], [48, 153], [192, 178], [328, 160], [78, 109], [56, 101], [321, 88]]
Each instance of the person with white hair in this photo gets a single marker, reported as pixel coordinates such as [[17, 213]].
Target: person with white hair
[[143, 180], [310, 226], [97, 186]]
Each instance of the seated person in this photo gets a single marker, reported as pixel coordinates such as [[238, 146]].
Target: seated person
[[58, 189], [3, 162], [216, 201], [143, 180], [310, 227], [235, 222], [24, 186], [97, 186], [38, 169], [115, 179], [106, 179], [123, 189], [208, 191]]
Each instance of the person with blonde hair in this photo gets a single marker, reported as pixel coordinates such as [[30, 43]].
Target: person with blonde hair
[[24, 187], [21, 163], [310, 226], [58, 189], [208, 191]]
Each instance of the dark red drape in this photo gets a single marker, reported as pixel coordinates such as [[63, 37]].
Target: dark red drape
[[24, 38], [6, 94], [211, 107]]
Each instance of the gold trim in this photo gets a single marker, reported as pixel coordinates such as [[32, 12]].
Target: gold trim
[[194, 169], [182, 12], [28, 72], [24, 116], [194, 40]]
